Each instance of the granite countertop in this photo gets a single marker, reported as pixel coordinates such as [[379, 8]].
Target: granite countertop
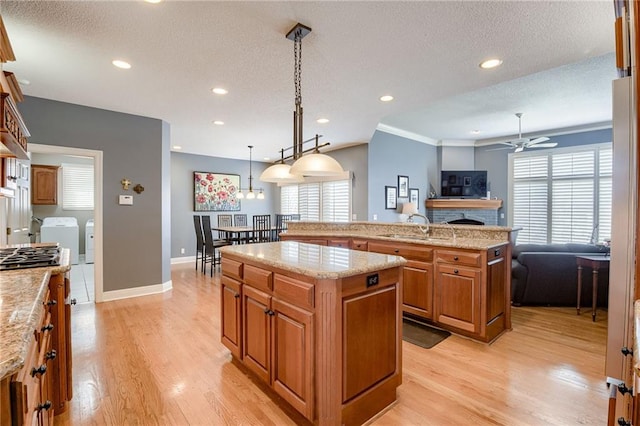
[[316, 261], [22, 293]]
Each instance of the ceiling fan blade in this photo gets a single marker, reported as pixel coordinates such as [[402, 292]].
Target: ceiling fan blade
[[537, 141], [501, 149], [511, 144], [544, 145]]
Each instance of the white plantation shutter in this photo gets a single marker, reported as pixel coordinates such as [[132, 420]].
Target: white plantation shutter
[[318, 201], [335, 201], [77, 187], [562, 195], [289, 199], [309, 201]]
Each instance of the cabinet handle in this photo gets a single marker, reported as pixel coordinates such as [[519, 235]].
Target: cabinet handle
[[455, 257], [73, 302], [237, 295], [47, 327], [52, 302], [271, 313], [52, 354], [44, 406], [623, 422], [266, 311], [455, 271], [623, 389], [626, 351], [496, 252], [40, 370], [396, 251]]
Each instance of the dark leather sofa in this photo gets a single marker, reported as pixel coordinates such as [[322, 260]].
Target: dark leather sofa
[[547, 274]]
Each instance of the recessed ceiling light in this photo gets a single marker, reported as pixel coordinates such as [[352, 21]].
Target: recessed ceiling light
[[178, 147], [24, 82], [219, 91], [266, 158], [322, 120], [490, 63], [218, 123], [475, 132], [153, 1], [121, 64], [386, 98]]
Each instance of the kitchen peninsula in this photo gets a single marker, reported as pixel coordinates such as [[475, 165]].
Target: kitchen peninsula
[[321, 326], [457, 277], [35, 354]]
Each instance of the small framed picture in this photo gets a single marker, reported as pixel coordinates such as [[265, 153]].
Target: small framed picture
[[414, 196], [403, 186], [390, 197]]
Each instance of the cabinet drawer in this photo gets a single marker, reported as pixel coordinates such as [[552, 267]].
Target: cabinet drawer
[[456, 257], [258, 278], [495, 253], [361, 283], [359, 245], [297, 292], [231, 268], [409, 251], [338, 242]]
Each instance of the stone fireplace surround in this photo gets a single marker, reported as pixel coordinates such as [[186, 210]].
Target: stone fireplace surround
[[441, 210]]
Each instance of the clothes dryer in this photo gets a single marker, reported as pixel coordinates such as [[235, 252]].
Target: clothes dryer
[[88, 241], [64, 231]]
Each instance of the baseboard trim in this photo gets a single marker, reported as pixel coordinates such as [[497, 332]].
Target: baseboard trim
[[184, 259], [127, 293]]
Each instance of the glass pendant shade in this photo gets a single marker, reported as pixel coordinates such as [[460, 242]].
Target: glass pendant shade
[[240, 195], [280, 173], [316, 165], [251, 195], [261, 195]]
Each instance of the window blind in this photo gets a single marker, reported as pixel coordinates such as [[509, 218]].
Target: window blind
[[335, 201], [309, 201], [77, 187], [289, 199], [316, 201]]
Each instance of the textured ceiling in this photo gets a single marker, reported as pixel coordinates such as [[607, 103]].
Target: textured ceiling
[[557, 66]]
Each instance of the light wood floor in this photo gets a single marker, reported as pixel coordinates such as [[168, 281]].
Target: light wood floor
[[158, 360]]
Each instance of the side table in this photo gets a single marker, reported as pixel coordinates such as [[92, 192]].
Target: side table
[[596, 263]]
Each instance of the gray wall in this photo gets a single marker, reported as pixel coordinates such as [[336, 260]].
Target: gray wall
[[390, 156], [182, 168], [47, 211], [457, 158], [133, 147], [354, 159], [497, 163]]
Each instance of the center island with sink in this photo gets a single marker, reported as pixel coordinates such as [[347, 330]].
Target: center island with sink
[[457, 277]]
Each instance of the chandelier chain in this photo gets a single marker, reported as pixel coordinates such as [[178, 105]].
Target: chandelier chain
[[297, 71]]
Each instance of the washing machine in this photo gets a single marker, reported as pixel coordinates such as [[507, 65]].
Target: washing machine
[[64, 231], [88, 241]]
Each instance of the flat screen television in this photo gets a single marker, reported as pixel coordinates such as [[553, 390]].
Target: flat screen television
[[463, 183]]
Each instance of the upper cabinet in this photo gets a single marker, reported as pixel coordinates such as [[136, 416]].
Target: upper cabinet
[[13, 131], [44, 185]]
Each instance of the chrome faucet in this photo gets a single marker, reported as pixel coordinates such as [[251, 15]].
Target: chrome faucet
[[453, 231], [425, 229]]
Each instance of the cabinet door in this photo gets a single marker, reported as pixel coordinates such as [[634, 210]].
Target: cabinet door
[[292, 339], [230, 291], [19, 207], [44, 185], [256, 348], [417, 289], [339, 242], [457, 297]]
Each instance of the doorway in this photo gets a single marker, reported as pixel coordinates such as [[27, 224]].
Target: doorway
[[84, 271]]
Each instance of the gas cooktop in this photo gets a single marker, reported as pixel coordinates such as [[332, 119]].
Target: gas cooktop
[[29, 257]]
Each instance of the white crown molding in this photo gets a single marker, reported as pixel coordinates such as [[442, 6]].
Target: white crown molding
[[406, 134]]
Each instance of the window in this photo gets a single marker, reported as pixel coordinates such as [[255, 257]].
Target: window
[[77, 187], [562, 195], [318, 201]]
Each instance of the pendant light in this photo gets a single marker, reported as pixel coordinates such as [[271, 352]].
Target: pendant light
[[314, 164], [250, 194]]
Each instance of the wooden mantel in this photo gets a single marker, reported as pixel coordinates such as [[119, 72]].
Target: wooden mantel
[[462, 203]]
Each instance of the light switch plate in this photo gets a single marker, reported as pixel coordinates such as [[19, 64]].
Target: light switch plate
[[126, 200]]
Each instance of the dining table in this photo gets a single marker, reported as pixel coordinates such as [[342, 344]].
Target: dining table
[[242, 234]]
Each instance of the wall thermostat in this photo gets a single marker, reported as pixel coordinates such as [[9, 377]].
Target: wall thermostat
[[126, 200]]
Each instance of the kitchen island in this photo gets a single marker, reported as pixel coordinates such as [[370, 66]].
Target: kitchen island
[[322, 326], [457, 277], [35, 349]]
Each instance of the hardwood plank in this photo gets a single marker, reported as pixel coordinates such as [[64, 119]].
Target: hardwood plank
[[159, 360]]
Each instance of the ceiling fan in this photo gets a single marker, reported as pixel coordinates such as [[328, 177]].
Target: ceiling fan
[[521, 143]]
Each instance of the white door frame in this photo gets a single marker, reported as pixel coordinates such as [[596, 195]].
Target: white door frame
[[97, 199]]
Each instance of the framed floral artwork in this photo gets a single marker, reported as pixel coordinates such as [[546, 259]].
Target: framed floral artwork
[[215, 192]]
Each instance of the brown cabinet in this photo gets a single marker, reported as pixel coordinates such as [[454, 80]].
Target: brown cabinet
[[458, 297], [231, 293], [44, 185]]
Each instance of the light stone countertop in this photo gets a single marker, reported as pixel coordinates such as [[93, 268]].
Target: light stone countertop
[[313, 260], [22, 294]]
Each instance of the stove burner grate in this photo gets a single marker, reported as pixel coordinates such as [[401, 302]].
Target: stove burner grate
[[29, 257]]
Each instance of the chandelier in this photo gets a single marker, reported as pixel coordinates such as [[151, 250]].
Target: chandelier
[[250, 194], [314, 164]]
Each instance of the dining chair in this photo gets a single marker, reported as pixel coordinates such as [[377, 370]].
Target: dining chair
[[225, 220], [261, 228], [240, 219], [281, 224], [211, 245], [199, 241]]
